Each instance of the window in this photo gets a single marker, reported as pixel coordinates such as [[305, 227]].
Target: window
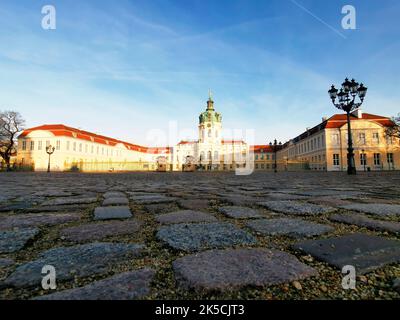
[[74, 146], [39, 145], [68, 145], [92, 149], [336, 159], [389, 140], [32, 145], [256, 156], [80, 147], [24, 145], [256, 166], [58, 145], [267, 156], [390, 158], [375, 137], [377, 159], [363, 159], [86, 148], [47, 143], [209, 133], [262, 157], [361, 137], [335, 138]]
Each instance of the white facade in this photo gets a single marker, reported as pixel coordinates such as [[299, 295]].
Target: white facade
[[75, 149]]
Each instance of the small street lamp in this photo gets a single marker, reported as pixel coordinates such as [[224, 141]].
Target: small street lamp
[[275, 147], [345, 100], [50, 150]]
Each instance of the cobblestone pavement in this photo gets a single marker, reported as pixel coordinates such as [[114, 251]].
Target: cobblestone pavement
[[200, 235]]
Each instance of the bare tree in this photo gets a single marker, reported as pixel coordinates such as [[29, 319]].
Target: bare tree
[[11, 123], [394, 131]]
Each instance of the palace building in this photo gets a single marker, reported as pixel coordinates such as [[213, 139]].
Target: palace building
[[323, 148], [88, 152]]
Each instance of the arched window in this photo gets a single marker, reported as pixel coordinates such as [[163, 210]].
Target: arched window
[[209, 155], [215, 155], [209, 133], [202, 156]]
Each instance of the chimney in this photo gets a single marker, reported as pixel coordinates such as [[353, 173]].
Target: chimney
[[358, 113]]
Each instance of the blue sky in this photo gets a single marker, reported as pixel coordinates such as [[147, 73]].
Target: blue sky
[[128, 69]]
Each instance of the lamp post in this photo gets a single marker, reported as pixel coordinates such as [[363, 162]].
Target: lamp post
[[345, 100], [364, 159], [50, 150], [275, 147]]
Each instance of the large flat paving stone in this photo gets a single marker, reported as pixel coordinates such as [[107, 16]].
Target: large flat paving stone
[[34, 220], [185, 216], [362, 251], [101, 230], [296, 207], [114, 194], [362, 220], [295, 228], [152, 198], [17, 206], [285, 196], [124, 286], [80, 261], [193, 237], [194, 204], [238, 212], [108, 213], [14, 240], [379, 209], [69, 200], [342, 194], [121, 201], [237, 268]]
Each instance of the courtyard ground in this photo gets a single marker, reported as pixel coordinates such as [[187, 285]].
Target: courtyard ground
[[200, 235]]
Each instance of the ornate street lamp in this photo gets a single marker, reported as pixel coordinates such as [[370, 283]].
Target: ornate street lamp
[[364, 157], [50, 150], [345, 100], [275, 147]]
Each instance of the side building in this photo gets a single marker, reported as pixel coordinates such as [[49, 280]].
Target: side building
[[324, 147], [84, 151]]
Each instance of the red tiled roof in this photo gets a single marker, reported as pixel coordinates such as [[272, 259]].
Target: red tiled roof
[[339, 120], [187, 142], [261, 148], [65, 131]]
